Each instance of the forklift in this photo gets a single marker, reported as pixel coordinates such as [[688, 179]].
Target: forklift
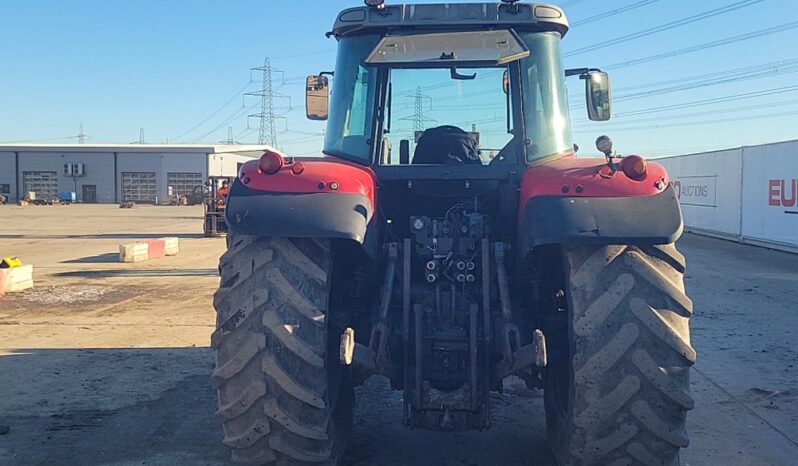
[[215, 201]]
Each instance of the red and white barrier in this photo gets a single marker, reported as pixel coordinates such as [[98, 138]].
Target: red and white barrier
[[171, 245], [156, 248], [150, 249], [134, 252]]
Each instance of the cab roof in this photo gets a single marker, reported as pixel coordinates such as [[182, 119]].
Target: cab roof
[[450, 16]]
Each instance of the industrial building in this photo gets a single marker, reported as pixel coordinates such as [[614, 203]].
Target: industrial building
[[115, 173]]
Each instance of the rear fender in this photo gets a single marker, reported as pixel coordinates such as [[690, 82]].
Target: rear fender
[[328, 199], [580, 201]]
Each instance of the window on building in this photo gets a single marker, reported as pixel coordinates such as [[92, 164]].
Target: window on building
[[44, 184], [139, 186], [5, 189], [183, 184]]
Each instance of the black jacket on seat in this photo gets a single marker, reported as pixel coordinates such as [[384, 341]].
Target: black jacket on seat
[[445, 145]]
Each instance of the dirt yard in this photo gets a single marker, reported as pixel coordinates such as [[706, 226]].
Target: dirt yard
[[108, 363]]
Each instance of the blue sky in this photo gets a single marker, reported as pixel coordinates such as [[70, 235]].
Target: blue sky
[[179, 69]]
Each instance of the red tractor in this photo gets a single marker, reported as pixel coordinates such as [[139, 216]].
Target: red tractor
[[483, 248]]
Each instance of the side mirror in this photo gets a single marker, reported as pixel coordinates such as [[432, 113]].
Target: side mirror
[[317, 96], [597, 92]]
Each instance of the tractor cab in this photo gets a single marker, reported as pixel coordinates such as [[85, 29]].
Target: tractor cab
[[411, 77]]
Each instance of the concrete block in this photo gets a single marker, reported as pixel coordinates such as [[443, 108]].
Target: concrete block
[[171, 245], [134, 252], [157, 248], [17, 279]]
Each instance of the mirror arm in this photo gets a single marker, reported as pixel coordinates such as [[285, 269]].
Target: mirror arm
[[388, 104], [509, 113], [581, 72]]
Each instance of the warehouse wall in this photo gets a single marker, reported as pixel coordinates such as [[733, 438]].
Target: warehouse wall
[[226, 164], [749, 194], [99, 169], [162, 164], [8, 174], [104, 167]]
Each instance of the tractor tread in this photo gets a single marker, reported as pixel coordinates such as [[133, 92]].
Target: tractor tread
[[243, 403], [630, 356], [246, 345], [258, 454], [271, 349], [284, 418], [289, 385], [285, 334], [247, 436], [279, 443], [292, 296], [599, 310]]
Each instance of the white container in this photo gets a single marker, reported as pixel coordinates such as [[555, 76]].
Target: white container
[[171, 245], [134, 252], [18, 279]]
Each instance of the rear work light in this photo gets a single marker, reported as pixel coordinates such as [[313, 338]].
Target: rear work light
[[634, 167], [271, 162]]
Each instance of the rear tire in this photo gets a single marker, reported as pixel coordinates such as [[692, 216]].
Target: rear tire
[[283, 396], [617, 383]]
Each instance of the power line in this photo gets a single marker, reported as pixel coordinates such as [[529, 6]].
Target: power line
[[715, 100], [215, 112], [246, 132], [720, 77], [226, 121], [707, 45], [664, 27], [313, 133], [771, 69], [614, 12], [446, 84], [702, 84], [303, 139], [571, 3], [710, 112], [776, 68], [697, 123]]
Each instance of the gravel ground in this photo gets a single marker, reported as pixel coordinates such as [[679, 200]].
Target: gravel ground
[[108, 363]]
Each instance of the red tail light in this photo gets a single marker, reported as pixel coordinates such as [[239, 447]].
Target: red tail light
[[634, 167], [297, 168], [271, 162]]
